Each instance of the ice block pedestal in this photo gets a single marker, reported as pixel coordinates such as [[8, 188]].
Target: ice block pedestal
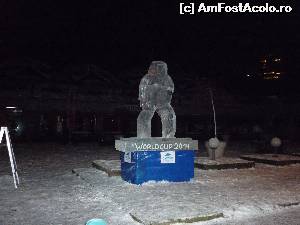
[[156, 159]]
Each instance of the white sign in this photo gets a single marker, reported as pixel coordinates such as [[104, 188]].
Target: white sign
[[163, 146], [127, 157], [167, 157]]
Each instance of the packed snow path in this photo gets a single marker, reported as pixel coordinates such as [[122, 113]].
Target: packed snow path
[[51, 194]]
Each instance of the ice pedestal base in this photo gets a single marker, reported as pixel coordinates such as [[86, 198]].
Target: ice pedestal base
[[157, 159]]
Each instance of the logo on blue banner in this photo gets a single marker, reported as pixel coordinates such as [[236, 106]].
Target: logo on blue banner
[[167, 157]]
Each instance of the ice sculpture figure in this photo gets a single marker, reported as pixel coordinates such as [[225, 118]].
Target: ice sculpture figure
[[155, 94]]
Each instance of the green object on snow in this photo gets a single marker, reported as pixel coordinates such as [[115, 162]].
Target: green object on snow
[[96, 222]]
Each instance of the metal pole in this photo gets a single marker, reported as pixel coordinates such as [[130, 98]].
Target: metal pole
[[12, 159], [215, 122]]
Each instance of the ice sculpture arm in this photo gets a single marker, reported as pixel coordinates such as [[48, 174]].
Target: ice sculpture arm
[[142, 91], [169, 85]]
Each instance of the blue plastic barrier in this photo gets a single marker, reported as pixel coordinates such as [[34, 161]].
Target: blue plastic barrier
[[141, 166]]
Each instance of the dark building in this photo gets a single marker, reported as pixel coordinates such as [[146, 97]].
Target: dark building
[[83, 102], [272, 67]]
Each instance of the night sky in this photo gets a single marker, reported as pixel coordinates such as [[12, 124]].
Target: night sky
[[127, 34]]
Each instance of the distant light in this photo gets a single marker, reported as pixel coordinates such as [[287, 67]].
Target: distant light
[[271, 78], [277, 73], [248, 75], [277, 60], [10, 107], [264, 61]]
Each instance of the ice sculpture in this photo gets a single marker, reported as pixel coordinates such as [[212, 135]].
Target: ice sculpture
[[145, 158], [155, 94]]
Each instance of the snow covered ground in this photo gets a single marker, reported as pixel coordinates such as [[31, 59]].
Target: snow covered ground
[[51, 194]]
